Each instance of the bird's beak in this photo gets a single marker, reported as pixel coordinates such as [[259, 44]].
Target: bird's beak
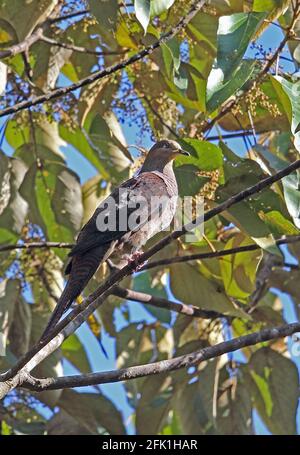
[[183, 152]]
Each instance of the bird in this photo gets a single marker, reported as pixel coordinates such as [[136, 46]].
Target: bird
[[122, 223]]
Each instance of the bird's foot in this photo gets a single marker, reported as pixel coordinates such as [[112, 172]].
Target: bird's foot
[[134, 257]]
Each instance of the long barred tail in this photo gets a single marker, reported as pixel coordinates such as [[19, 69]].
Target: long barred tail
[[81, 269], [65, 301]]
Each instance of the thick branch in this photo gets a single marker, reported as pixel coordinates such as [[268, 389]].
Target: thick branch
[[73, 320], [197, 5], [28, 246], [164, 366], [216, 254], [182, 308]]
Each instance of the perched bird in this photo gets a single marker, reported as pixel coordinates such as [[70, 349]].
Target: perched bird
[[123, 222]]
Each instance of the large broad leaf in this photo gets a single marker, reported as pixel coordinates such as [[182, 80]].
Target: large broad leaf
[[234, 34], [288, 93], [49, 60], [234, 407], [192, 288], [159, 6], [13, 208], [20, 20], [106, 12], [154, 404], [291, 183], [9, 295], [188, 180], [3, 77], [79, 140], [274, 386], [229, 72], [53, 193], [75, 352], [63, 423], [204, 155], [248, 215], [193, 403], [145, 283], [219, 90], [239, 270], [107, 136], [93, 411], [142, 12], [20, 329]]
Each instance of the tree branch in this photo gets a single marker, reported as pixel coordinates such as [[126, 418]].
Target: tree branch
[[28, 246], [197, 5], [182, 308], [71, 322], [215, 254], [164, 366], [83, 50], [68, 16]]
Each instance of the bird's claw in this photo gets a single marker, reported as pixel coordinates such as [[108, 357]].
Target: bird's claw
[[133, 260]]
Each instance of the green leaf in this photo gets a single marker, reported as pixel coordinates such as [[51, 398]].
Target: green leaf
[[64, 424], [154, 404], [189, 183], [268, 5], [13, 208], [204, 155], [234, 34], [53, 193], [220, 89], [291, 183], [268, 371], [239, 270], [93, 411], [23, 20], [105, 11], [80, 142], [9, 295], [291, 90], [3, 77], [75, 352], [193, 403], [159, 6], [144, 283], [142, 12], [234, 407], [192, 288], [247, 215], [107, 136], [20, 329], [276, 221]]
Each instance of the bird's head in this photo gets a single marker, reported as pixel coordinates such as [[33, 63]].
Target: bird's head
[[162, 153]]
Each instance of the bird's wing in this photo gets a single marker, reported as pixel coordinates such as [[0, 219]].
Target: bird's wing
[[91, 237]]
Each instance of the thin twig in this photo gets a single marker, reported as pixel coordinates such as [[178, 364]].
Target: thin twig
[[27, 246], [81, 49]]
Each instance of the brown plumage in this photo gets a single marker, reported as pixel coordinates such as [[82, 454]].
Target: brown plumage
[[155, 179]]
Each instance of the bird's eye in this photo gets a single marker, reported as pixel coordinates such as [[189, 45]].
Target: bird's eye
[[164, 144]]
